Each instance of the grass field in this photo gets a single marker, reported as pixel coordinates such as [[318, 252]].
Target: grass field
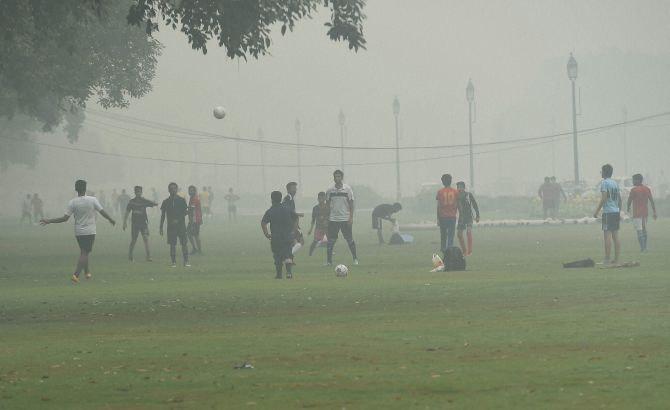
[[514, 331]]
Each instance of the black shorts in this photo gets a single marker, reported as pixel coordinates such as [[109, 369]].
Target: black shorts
[[281, 249], [86, 242], [193, 229], [334, 227], [174, 232], [611, 221], [376, 222], [464, 224], [136, 229]]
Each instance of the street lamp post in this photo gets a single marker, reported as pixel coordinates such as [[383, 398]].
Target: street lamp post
[[297, 136], [470, 96], [396, 113], [237, 161], [260, 137], [341, 120], [572, 75]]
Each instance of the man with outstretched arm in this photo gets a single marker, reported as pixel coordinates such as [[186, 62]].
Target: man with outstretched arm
[[84, 209]]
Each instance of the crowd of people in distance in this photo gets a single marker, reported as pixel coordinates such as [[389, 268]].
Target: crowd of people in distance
[[551, 193], [182, 217]]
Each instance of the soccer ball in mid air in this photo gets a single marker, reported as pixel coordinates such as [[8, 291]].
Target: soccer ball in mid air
[[219, 112], [341, 271]]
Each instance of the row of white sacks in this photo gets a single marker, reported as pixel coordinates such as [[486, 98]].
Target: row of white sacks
[[513, 222]]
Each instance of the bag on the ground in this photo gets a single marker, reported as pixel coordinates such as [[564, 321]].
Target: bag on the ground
[[584, 263], [453, 259], [401, 239]]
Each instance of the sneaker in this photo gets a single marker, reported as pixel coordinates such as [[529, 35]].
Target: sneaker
[[88, 275], [174, 265], [187, 265], [74, 278], [149, 259], [355, 261], [289, 276]]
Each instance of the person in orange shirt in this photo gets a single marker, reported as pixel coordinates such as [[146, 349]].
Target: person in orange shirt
[[447, 212], [639, 196]]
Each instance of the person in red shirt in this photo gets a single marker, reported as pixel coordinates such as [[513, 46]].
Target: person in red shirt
[[194, 220], [447, 212], [639, 196]]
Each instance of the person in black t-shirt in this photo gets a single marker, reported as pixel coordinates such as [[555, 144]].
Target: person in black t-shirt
[[383, 211], [282, 222], [139, 222], [174, 209], [466, 203], [289, 201]]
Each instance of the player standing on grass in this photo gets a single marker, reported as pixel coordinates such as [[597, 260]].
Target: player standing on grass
[[340, 198], [203, 198], [466, 203], [25, 210], [84, 209], [174, 209], [139, 222], [282, 223], [232, 198], [320, 214], [289, 201], [194, 220], [38, 207], [639, 196], [447, 211], [610, 203]]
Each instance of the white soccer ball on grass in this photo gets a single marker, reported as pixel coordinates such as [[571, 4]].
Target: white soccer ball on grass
[[341, 271]]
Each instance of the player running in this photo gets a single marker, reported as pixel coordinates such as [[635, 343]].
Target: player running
[[639, 196], [194, 220], [282, 223], [139, 222], [383, 212], [447, 211], [340, 198], [84, 209], [174, 209], [320, 214], [466, 203], [610, 203]]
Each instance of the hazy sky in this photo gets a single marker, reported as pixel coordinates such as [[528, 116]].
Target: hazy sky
[[424, 52]]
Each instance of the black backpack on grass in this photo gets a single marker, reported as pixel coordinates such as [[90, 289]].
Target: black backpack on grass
[[453, 259]]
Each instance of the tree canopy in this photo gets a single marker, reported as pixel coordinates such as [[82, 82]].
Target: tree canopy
[[57, 55], [244, 27]]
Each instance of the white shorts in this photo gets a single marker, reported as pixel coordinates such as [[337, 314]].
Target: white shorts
[[639, 223]]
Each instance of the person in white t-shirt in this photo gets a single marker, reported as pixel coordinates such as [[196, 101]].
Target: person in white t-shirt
[[84, 209], [340, 199]]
